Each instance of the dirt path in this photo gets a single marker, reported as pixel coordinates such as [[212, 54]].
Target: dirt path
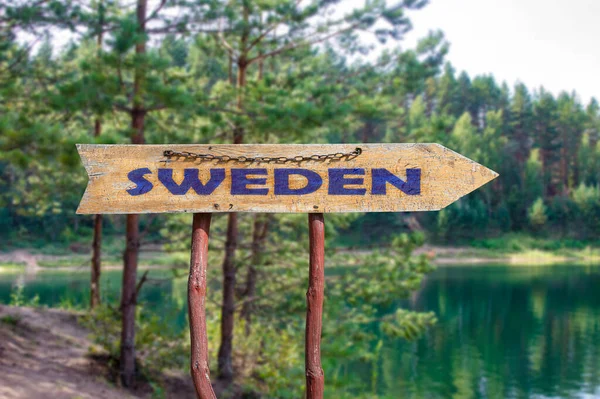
[[44, 354]]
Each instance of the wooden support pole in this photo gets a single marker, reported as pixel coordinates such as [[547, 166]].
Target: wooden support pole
[[315, 378], [196, 306]]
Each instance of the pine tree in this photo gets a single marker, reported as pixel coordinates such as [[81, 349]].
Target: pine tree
[[97, 237], [520, 127], [570, 126], [251, 36], [546, 139], [537, 214], [135, 79]]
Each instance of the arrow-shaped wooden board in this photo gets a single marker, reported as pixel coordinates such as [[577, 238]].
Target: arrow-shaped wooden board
[[257, 178]]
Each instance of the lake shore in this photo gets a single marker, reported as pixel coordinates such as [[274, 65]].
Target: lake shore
[[524, 302], [33, 262]]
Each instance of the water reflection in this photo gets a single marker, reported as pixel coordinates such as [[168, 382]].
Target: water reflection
[[504, 332], [162, 293]]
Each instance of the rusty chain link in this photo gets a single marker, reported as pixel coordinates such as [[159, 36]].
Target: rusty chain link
[[297, 159]]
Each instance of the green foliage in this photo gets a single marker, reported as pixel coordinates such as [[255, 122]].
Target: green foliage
[[587, 201], [270, 358], [362, 294], [408, 325], [158, 346], [519, 242], [537, 214], [17, 297]]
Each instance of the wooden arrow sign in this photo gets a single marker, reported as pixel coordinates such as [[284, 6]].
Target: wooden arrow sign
[[276, 178]]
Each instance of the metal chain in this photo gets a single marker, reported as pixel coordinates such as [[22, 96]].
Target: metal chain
[[297, 159]]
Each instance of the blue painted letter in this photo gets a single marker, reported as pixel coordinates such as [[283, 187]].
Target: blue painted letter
[[282, 181], [142, 185], [240, 181], [191, 180], [338, 180], [412, 185]]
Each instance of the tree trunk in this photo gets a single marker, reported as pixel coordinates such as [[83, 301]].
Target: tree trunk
[[97, 239], [259, 235], [96, 262], [128, 291], [225, 363], [128, 302], [315, 378], [97, 127], [564, 171], [96, 245], [130, 258], [196, 306], [224, 358]]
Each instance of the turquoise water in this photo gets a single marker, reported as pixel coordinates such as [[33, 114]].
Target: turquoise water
[[503, 332]]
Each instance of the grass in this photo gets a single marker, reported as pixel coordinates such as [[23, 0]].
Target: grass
[[7, 267], [538, 257], [527, 249], [517, 242]]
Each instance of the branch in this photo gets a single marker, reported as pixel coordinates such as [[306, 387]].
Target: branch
[[20, 57], [120, 74], [225, 43], [292, 46], [123, 108], [155, 108], [284, 288], [176, 28], [139, 285], [235, 112], [269, 30], [156, 10], [263, 35]]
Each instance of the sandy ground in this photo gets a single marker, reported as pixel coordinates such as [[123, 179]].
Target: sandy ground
[[44, 354]]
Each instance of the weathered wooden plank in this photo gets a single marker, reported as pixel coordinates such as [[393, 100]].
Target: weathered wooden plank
[[383, 178]]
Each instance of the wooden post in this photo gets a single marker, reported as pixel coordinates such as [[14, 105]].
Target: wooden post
[[196, 306], [315, 379]]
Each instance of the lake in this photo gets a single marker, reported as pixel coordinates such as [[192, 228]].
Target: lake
[[503, 331]]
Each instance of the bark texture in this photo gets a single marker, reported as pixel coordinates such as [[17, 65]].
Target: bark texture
[[196, 306], [97, 240], [224, 358], [315, 378], [259, 236], [96, 262], [225, 362], [130, 258], [128, 302]]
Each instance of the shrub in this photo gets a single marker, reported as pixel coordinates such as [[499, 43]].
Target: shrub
[[537, 214]]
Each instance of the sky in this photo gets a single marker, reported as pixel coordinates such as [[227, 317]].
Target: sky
[[554, 43], [550, 43]]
